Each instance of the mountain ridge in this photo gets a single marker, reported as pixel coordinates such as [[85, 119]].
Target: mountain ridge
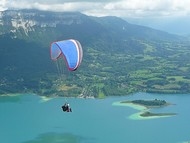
[[29, 19], [119, 58]]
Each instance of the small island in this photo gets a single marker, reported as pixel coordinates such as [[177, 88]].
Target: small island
[[149, 114], [149, 103]]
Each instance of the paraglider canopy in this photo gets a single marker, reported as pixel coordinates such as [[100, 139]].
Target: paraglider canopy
[[70, 50]]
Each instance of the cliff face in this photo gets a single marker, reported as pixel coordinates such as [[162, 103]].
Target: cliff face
[[30, 18]]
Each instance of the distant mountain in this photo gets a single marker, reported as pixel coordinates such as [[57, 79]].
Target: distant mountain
[[119, 57], [26, 23], [176, 25], [136, 31]]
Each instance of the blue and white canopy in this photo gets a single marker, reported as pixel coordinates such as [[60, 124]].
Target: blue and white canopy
[[70, 50]]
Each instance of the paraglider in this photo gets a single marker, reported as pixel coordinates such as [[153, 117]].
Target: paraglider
[[66, 108], [71, 52]]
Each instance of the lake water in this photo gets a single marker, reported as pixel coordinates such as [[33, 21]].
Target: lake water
[[33, 119]]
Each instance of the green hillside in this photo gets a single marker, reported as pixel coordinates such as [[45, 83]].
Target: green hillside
[[119, 59]]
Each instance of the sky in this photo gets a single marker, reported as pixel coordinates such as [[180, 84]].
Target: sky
[[158, 14], [120, 8]]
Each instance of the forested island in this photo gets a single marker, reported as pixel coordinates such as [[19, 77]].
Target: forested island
[[149, 103], [150, 114]]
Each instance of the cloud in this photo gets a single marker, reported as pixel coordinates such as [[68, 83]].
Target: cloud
[[121, 8], [2, 5]]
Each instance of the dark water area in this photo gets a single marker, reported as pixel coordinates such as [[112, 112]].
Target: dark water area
[[34, 119]]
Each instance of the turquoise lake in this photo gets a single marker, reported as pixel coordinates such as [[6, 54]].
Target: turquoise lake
[[32, 119]]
